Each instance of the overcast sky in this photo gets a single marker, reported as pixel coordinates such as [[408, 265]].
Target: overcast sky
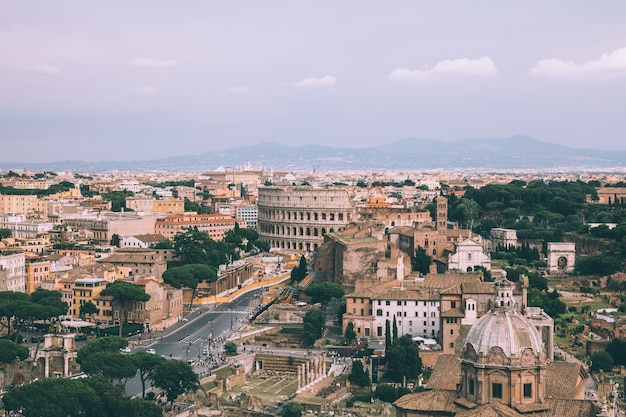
[[127, 80]]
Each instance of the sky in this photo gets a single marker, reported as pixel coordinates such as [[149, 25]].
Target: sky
[[137, 80]]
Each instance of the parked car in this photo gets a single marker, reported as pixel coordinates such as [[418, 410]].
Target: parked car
[[125, 349], [151, 351]]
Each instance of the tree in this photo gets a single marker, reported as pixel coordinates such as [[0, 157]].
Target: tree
[[10, 302], [189, 276], [291, 409], [4, 233], [324, 292], [387, 336], [394, 329], [421, 261], [358, 375], [601, 361], [111, 365], [145, 363], [175, 377], [9, 351], [299, 273], [115, 240], [617, 349], [54, 397], [88, 309], [230, 348], [350, 334], [64, 397], [403, 360], [314, 320], [125, 295], [107, 343]]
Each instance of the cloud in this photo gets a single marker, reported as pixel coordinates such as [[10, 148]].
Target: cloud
[[153, 63], [462, 67], [238, 90], [314, 82], [147, 90], [42, 69], [608, 66]]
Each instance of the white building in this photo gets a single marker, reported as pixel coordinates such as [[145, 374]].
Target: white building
[[21, 228], [13, 272], [141, 241], [249, 214], [469, 254]]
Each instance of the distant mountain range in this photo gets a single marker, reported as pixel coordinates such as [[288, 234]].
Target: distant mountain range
[[516, 152]]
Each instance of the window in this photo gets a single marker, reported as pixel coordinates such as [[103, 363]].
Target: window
[[528, 390], [399, 303], [470, 387], [451, 331], [379, 331], [496, 390], [452, 304], [387, 303]]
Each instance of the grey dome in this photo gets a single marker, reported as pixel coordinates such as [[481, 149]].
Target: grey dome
[[506, 329]]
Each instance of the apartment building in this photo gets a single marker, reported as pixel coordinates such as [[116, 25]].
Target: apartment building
[[215, 225], [37, 271], [414, 309], [165, 206], [85, 290], [140, 262], [105, 225], [164, 308], [29, 205], [12, 271], [21, 227]]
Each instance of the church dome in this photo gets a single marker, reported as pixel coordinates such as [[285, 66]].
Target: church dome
[[504, 331], [507, 329]]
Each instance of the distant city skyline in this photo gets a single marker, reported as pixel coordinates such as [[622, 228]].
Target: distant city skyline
[[145, 80]]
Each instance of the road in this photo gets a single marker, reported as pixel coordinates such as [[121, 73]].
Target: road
[[189, 341]]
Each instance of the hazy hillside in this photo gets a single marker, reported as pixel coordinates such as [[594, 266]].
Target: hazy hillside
[[517, 152]]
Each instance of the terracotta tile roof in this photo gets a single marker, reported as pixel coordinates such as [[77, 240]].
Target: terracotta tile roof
[[563, 380], [453, 312], [446, 373], [440, 401]]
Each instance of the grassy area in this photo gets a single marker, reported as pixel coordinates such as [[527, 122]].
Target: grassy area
[[268, 390], [224, 372]]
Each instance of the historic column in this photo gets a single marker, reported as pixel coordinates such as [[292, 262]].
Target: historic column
[[299, 377], [66, 365], [308, 373], [46, 371]]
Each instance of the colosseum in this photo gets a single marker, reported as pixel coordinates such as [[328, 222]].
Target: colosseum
[[299, 217]]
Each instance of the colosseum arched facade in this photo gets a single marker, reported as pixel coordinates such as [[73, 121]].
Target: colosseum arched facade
[[297, 218]]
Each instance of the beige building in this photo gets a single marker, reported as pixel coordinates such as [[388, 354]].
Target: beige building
[[165, 206], [215, 225], [29, 205], [106, 225], [37, 272], [163, 309], [611, 195], [140, 262], [298, 217]]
